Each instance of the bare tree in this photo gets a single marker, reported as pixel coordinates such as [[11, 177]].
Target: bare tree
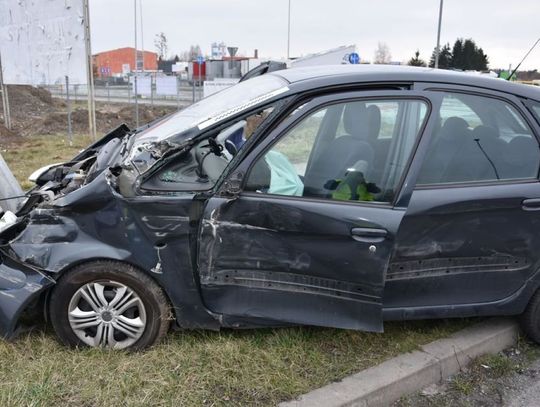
[[191, 54], [161, 44], [382, 54]]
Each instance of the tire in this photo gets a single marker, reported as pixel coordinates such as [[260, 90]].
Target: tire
[[108, 304], [530, 319]]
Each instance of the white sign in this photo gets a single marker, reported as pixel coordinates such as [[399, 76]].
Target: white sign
[[211, 87], [166, 85], [42, 41], [126, 69], [144, 85]]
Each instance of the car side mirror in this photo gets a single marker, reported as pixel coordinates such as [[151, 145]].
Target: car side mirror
[[232, 187]]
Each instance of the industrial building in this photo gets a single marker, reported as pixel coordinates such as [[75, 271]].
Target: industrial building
[[121, 61]]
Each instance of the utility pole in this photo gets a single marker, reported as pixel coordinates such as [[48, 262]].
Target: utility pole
[[142, 35], [289, 32], [136, 67], [438, 48], [89, 72], [9, 186], [5, 98]]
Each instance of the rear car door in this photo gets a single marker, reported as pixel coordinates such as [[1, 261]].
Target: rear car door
[[469, 242], [308, 237]]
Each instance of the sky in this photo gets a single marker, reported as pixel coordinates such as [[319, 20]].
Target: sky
[[504, 29]]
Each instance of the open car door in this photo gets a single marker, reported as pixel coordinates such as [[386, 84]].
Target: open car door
[[309, 237]]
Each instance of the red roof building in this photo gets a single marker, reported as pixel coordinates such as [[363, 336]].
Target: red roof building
[[111, 63]]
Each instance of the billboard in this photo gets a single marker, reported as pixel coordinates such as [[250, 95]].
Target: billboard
[[42, 41]]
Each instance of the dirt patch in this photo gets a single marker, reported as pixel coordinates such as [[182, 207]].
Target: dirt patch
[[106, 120], [35, 112], [8, 137]]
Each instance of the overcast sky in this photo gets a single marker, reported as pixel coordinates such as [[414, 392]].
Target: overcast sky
[[504, 29]]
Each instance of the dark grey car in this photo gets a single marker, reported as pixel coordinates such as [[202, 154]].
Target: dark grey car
[[334, 196]]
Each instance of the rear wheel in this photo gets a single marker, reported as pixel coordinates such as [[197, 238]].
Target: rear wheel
[[108, 304], [530, 319]]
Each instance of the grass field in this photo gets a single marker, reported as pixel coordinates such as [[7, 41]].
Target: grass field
[[257, 367]]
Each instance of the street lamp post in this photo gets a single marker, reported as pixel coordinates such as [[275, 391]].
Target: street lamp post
[[289, 32], [438, 48], [135, 91]]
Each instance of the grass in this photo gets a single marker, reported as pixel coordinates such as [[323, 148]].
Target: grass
[[36, 152], [257, 367]]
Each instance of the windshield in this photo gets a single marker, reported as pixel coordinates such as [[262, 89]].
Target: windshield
[[216, 107]]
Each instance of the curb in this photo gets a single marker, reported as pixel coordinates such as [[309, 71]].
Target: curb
[[385, 383]]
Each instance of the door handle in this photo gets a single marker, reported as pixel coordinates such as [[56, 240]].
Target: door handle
[[531, 204], [369, 235]]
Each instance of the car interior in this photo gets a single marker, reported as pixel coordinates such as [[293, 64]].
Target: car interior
[[498, 146]]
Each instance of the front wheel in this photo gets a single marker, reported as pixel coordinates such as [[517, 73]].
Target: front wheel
[[108, 304]]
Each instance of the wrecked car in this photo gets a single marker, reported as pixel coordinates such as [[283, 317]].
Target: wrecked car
[[337, 196]]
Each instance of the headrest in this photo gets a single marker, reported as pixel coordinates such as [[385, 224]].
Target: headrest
[[362, 121], [454, 128]]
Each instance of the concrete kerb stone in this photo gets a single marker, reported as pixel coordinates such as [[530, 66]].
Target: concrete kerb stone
[[383, 384]]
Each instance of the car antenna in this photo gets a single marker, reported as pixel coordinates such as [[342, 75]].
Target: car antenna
[[526, 55]]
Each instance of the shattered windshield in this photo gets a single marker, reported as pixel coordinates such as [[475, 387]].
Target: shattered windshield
[[216, 107]]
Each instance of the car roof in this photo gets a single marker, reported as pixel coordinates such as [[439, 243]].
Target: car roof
[[330, 74]]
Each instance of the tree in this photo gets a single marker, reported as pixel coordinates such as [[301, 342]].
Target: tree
[[445, 56], [382, 54], [192, 54], [161, 44], [467, 56], [416, 61]]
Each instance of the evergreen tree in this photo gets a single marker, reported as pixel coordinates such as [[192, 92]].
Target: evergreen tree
[[466, 55], [416, 61], [445, 55], [457, 60]]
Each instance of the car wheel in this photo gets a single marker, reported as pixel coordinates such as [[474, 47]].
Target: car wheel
[[108, 304], [530, 319]]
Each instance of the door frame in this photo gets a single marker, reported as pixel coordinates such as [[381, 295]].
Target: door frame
[[231, 187]]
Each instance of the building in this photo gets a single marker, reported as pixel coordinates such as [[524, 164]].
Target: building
[[120, 61], [219, 50]]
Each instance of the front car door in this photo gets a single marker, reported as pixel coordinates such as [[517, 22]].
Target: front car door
[[309, 237], [469, 242]]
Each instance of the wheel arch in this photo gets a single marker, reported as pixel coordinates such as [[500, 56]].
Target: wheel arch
[[68, 268]]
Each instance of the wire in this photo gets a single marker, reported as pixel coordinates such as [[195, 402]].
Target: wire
[[526, 55], [489, 159]]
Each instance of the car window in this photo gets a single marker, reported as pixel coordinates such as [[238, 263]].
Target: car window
[[388, 115], [347, 161], [536, 110], [479, 139], [453, 106], [200, 168]]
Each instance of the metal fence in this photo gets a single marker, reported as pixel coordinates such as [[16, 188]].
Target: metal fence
[[185, 92]]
